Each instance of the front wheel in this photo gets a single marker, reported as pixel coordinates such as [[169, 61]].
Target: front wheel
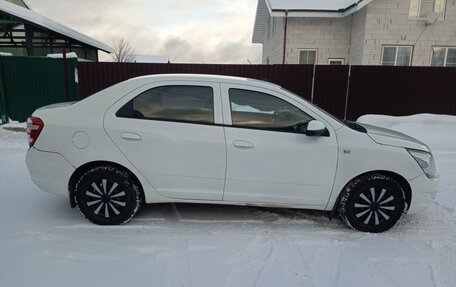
[[107, 195], [372, 203]]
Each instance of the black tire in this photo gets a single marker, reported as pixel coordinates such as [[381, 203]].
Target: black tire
[[372, 203], [107, 195]]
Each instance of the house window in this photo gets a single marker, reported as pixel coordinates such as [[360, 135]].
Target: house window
[[443, 56], [336, 61], [397, 55], [422, 8], [308, 56]]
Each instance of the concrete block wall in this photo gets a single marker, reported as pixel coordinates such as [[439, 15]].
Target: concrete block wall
[[387, 23], [273, 43], [330, 36], [358, 34]]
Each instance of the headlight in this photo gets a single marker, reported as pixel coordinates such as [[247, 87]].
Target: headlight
[[425, 160]]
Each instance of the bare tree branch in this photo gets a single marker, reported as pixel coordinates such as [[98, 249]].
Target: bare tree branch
[[123, 52]]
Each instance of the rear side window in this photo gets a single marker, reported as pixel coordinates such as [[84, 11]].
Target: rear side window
[[263, 111], [173, 103]]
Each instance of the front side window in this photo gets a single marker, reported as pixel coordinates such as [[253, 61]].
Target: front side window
[[308, 57], [422, 8], [253, 109], [173, 103], [397, 55], [444, 56]]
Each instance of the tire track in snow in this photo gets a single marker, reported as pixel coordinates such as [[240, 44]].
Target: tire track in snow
[[429, 263], [177, 264], [299, 264], [251, 263]]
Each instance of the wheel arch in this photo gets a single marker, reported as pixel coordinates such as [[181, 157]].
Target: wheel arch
[[397, 177], [89, 165]]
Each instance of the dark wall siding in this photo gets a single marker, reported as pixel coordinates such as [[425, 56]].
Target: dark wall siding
[[345, 91], [401, 91], [94, 77], [330, 88]]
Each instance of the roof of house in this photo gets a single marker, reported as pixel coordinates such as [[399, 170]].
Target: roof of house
[[302, 8], [48, 24], [151, 59]]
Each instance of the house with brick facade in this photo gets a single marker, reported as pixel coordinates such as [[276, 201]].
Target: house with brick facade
[[357, 32]]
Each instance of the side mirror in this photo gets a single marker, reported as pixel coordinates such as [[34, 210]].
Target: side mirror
[[316, 129]]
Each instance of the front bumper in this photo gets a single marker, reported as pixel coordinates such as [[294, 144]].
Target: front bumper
[[50, 171], [423, 193]]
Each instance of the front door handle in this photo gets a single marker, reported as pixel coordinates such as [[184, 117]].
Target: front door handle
[[130, 136], [242, 144]]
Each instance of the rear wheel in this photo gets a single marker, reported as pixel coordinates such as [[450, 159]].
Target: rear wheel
[[372, 203], [107, 195]]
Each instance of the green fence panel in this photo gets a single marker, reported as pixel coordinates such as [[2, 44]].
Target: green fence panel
[[33, 82]]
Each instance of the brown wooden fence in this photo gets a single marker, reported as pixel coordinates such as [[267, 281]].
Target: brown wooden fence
[[346, 91]]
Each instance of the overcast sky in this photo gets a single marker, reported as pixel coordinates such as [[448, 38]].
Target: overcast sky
[[198, 31]]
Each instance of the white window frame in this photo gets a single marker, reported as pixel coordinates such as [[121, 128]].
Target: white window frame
[[341, 60], [446, 54], [308, 49], [395, 57], [441, 18]]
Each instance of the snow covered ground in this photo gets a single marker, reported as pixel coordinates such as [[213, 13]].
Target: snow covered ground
[[45, 243]]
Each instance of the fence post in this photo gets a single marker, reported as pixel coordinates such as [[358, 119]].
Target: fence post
[[65, 76], [313, 85], [3, 108], [347, 92]]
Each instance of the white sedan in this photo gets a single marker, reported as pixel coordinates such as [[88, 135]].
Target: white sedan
[[223, 140]]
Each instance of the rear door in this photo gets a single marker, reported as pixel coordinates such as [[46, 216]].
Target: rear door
[[267, 160], [169, 132]]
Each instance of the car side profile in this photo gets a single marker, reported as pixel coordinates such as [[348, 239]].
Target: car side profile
[[223, 140]]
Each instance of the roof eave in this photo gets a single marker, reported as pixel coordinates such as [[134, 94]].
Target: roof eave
[[340, 13], [94, 43]]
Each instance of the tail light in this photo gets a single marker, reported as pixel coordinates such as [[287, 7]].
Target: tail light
[[34, 128]]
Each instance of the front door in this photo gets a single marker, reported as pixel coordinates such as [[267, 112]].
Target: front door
[[268, 161]]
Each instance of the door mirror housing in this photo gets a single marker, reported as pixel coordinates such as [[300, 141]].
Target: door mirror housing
[[316, 129]]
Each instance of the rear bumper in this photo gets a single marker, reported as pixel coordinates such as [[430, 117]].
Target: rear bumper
[[423, 193], [50, 171]]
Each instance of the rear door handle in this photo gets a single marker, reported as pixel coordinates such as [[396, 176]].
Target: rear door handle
[[130, 136], [242, 144]]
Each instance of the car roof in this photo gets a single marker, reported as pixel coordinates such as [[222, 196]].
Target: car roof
[[206, 78]]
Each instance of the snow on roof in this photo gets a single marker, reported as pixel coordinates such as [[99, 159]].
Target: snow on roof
[[151, 59], [301, 8], [49, 24], [331, 5]]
